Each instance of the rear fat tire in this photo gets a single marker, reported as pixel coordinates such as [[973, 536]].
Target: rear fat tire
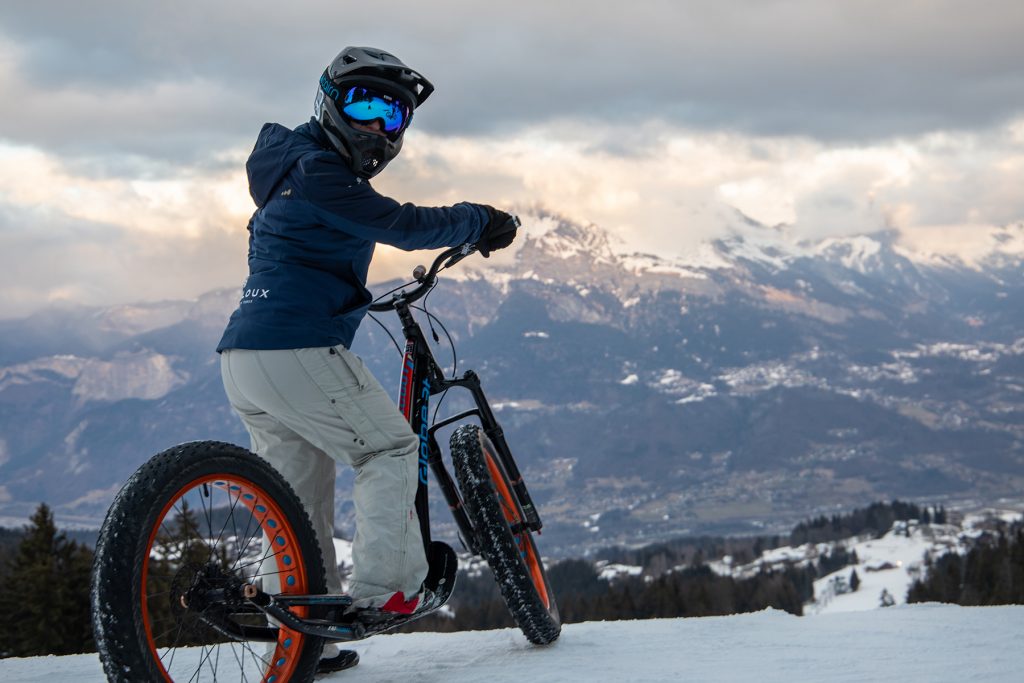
[[116, 591], [540, 623]]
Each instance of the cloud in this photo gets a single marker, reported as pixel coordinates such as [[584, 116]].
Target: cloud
[[175, 81], [126, 124], [66, 235], [106, 126], [682, 186], [81, 240], [50, 258]]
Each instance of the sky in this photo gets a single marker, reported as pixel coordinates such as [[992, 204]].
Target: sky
[[125, 126]]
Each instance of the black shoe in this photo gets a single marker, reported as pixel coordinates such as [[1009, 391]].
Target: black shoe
[[345, 659]]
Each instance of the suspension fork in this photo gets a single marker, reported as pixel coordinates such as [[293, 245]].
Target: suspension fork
[[421, 379]]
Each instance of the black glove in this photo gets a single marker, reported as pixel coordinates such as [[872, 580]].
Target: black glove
[[498, 233]]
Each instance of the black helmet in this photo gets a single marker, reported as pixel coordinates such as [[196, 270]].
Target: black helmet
[[366, 79]]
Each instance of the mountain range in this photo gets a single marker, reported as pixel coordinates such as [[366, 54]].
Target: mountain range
[[745, 386]]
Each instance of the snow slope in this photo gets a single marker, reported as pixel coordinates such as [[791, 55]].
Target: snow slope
[[934, 643], [891, 564]]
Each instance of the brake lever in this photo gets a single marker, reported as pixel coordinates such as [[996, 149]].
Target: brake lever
[[465, 251], [469, 248]]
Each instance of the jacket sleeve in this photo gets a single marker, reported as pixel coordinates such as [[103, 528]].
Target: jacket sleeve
[[359, 210]]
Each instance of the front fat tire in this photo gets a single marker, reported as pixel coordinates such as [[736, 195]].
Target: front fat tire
[[539, 622], [116, 589]]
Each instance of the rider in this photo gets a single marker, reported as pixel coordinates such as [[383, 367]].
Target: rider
[[305, 398]]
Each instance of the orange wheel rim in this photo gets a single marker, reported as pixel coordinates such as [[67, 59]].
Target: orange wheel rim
[[523, 540], [290, 563]]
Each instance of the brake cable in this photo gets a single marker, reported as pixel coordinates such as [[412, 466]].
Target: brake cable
[[386, 330], [383, 326], [431, 319]]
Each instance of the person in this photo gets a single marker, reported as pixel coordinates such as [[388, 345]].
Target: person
[[306, 400]]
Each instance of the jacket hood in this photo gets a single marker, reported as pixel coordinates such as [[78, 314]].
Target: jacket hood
[[277, 150]]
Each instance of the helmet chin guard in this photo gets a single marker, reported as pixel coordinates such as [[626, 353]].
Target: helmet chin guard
[[368, 153]]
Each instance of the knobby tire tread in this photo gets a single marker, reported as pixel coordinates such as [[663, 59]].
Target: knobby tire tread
[[116, 611], [538, 623]]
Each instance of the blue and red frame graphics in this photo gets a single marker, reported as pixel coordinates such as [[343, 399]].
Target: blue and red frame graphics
[[406, 391]]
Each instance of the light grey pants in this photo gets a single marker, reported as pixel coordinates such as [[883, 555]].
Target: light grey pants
[[304, 410]]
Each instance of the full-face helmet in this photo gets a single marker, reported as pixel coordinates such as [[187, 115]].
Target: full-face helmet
[[365, 103]]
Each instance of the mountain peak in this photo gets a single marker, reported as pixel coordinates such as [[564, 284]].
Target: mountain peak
[[571, 246], [978, 247], [862, 253], [556, 236]]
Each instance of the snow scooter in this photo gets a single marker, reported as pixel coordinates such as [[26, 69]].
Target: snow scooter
[[199, 529]]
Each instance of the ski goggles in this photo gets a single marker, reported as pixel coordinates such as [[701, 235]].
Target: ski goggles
[[365, 105]]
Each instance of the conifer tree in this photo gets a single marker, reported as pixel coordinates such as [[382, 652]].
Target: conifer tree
[[179, 550], [45, 597]]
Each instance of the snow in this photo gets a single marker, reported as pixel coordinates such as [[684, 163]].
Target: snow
[[982, 352], [343, 551], [612, 571], [891, 564], [521, 404], [639, 264], [911, 643], [761, 249], [760, 377], [900, 371], [857, 253], [705, 255], [673, 383], [566, 241], [984, 518], [973, 245]]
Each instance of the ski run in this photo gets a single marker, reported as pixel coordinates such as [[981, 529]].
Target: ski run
[[930, 642]]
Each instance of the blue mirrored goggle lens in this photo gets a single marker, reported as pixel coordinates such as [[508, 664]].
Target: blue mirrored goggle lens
[[364, 106]]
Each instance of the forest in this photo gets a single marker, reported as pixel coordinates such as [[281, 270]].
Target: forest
[[44, 579]]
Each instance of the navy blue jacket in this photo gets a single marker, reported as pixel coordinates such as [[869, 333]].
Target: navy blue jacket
[[312, 238]]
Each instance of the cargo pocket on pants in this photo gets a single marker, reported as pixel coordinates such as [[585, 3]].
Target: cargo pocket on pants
[[343, 383], [385, 429]]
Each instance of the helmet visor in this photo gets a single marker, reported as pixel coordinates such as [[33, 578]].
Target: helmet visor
[[366, 105]]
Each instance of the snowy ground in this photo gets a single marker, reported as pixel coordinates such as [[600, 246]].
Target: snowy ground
[[888, 565], [934, 643]]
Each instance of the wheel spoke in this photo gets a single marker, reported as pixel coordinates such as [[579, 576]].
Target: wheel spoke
[[190, 553], [216, 665], [241, 665], [261, 663], [216, 546], [248, 538]]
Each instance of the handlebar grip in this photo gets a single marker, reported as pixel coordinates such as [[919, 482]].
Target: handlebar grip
[[426, 280]]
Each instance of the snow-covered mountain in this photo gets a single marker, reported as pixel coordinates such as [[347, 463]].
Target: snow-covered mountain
[[935, 643], [886, 564], [756, 380]]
